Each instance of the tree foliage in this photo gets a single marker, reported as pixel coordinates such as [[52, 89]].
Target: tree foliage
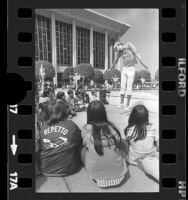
[[142, 74], [85, 70], [108, 75], [48, 69], [98, 78], [67, 73]]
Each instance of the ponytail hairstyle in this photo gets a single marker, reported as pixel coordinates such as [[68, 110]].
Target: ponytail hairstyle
[[139, 118], [97, 117]]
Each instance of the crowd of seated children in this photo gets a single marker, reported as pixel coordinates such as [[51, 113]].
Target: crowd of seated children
[[70, 109], [79, 102], [62, 146]]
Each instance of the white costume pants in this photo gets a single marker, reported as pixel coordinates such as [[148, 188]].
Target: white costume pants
[[127, 79]]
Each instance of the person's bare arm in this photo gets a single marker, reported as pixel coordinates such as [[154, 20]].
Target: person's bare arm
[[140, 60]]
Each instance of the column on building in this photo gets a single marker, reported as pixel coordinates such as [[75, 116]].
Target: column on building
[[74, 61], [54, 54], [111, 53], [119, 62], [106, 50], [91, 46]]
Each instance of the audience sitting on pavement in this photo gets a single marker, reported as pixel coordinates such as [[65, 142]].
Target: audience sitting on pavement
[[70, 110], [79, 102], [104, 153]]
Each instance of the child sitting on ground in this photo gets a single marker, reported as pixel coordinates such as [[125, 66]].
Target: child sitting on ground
[[71, 101], [104, 152], [102, 96], [85, 97], [60, 141], [141, 136], [70, 98], [93, 96], [79, 102], [61, 96], [48, 95]]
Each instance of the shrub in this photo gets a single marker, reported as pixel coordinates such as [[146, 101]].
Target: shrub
[[67, 72], [85, 70], [142, 74], [145, 74], [48, 69], [108, 75], [98, 76], [137, 77]]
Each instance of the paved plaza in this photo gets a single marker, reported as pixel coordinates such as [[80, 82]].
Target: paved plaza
[[137, 180]]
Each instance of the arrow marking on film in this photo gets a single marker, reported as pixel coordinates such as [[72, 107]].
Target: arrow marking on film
[[13, 146]]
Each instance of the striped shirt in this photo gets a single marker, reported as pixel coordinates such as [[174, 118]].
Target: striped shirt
[[109, 182]]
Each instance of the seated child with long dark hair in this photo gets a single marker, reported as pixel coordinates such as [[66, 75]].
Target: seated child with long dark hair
[[60, 141], [102, 155], [141, 135]]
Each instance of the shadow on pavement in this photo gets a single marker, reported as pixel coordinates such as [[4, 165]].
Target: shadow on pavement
[[40, 181]]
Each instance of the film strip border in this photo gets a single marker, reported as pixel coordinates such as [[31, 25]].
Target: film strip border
[[172, 104], [172, 93]]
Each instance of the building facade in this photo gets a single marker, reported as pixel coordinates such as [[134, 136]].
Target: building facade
[[68, 37]]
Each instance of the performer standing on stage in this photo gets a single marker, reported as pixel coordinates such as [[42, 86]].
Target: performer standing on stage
[[127, 52]]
